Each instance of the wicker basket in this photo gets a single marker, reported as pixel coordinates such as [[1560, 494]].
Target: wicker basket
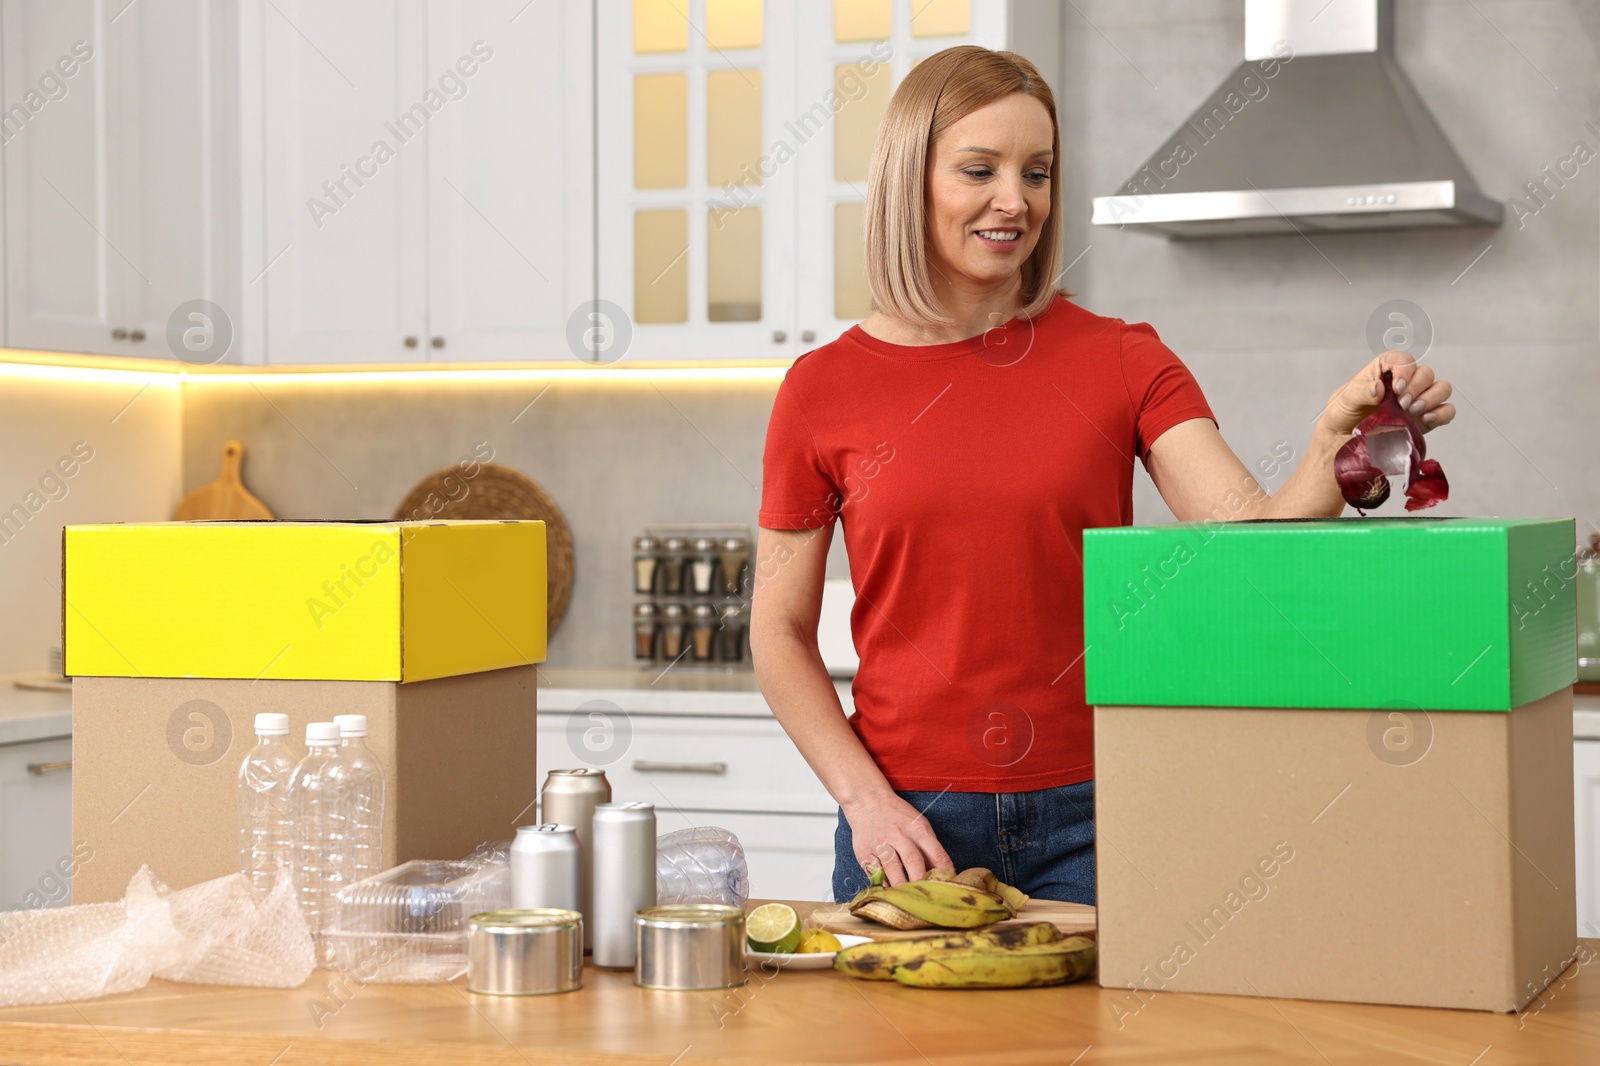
[[498, 492]]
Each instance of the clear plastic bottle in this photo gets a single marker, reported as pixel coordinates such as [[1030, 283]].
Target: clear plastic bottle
[[366, 786], [705, 864], [266, 827], [320, 802]]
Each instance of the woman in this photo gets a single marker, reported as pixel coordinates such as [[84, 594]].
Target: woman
[[966, 433]]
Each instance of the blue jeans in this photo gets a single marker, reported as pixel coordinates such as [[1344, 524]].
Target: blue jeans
[[1042, 842]]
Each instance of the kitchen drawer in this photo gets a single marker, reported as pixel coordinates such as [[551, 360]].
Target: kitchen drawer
[[37, 856], [718, 764], [790, 855]]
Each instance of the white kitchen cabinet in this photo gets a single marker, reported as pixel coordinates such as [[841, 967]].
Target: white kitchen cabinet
[[427, 179], [734, 144], [1586, 791], [738, 772], [37, 857], [120, 170]]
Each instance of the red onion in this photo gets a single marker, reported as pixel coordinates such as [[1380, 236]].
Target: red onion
[[1388, 443]]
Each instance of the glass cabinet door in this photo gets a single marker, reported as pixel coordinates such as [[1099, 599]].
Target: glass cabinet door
[[733, 139], [858, 51], [696, 193]]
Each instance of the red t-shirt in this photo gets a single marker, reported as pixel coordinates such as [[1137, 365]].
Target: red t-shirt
[[965, 474]]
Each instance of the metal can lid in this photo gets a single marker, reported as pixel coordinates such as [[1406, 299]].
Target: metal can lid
[[689, 914], [547, 829], [624, 813], [512, 921]]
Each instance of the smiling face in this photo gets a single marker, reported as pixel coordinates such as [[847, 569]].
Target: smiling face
[[989, 174]]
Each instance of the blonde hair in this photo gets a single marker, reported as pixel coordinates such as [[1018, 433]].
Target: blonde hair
[[939, 92]]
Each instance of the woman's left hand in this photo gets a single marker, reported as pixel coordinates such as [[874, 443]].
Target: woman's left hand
[[1418, 390]]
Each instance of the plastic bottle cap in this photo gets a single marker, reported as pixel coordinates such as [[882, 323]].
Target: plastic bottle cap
[[272, 725], [322, 733], [351, 725]]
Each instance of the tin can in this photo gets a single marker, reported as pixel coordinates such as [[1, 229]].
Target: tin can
[[524, 952], [544, 867], [624, 878], [690, 946], [569, 797]]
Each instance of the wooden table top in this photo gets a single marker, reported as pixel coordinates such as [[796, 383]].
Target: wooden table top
[[788, 1017]]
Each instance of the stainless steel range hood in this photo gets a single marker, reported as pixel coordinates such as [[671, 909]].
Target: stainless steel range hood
[[1318, 130]]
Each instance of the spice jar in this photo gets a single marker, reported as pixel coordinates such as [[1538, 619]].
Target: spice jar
[[704, 631], [672, 565], [674, 626], [646, 564], [735, 553], [702, 565], [644, 631], [731, 641]]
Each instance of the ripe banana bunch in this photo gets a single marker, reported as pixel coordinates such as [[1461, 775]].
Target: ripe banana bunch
[[943, 899], [1030, 966], [876, 960]]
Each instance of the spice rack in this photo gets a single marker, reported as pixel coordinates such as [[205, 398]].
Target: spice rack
[[691, 586]]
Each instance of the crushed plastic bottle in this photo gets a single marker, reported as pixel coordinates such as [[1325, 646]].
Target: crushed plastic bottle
[[705, 864], [266, 827]]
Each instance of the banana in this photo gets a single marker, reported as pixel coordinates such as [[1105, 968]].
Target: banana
[[1021, 967], [980, 877], [876, 960], [886, 913], [941, 903]]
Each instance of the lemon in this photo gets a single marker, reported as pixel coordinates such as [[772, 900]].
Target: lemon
[[817, 942], [773, 927]]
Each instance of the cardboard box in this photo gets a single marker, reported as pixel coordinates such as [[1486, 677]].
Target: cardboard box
[[1290, 853], [351, 601], [1322, 613], [1334, 759], [155, 764]]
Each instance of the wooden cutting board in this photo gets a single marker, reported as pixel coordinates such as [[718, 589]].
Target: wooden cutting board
[[1075, 919], [225, 497]]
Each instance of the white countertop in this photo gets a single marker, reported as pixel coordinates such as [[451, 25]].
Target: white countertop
[[26, 714], [658, 690]]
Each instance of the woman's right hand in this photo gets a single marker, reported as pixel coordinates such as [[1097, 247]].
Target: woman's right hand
[[891, 833]]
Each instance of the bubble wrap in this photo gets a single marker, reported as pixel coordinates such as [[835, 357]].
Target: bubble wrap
[[211, 933]]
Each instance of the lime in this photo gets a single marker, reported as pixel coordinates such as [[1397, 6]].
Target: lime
[[817, 942], [773, 927]]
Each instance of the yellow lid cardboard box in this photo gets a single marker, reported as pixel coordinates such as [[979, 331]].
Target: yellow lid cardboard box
[[178, 634]]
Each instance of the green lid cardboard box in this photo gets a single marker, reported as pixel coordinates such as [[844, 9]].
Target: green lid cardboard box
[[1333, 759], [178, 633]]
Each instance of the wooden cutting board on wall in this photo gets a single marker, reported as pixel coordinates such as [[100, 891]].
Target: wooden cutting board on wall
[[225, 497], [1074, 919]]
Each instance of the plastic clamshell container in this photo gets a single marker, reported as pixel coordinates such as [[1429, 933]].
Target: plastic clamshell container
[[409, 924]]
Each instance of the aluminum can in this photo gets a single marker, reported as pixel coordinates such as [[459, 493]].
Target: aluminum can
[[544, 867], [569, 797], [690, 946], [524, 952], [624, 878]]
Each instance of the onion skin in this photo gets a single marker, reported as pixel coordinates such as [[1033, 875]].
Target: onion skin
[[1428, 487], [1363, 483]]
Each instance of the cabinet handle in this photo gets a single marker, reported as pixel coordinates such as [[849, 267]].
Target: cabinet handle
[[779, 336], [411, 342], [136, 335], [39, 769], [119, 334], [438, 342], [644, 766], [807, 336]]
